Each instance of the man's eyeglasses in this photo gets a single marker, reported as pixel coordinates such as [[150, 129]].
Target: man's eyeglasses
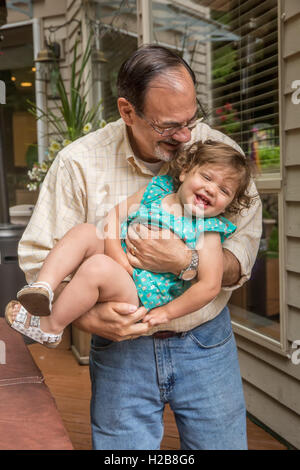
[[169, 131]]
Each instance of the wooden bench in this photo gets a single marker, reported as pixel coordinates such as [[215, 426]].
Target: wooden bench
[[29, 419]]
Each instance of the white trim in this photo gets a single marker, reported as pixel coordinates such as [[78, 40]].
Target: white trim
[[16, 25], [144, 22], [39, 91], [268, 182], [259, 338]]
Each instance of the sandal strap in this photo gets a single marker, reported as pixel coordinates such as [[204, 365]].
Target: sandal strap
[[41, 337], [33, 331], [34, 321], [21, 316]]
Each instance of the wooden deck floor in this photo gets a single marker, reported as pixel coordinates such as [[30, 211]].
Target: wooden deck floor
[[69, 384]]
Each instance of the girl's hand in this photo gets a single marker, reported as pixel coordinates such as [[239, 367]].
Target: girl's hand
[[157, 316]]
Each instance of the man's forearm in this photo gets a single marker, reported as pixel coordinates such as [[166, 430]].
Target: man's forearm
[[232, 269]]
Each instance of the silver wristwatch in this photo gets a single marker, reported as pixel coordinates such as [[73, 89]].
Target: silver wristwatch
[[190, 272]]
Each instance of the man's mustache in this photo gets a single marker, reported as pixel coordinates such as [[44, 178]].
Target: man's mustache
[[170, 141]]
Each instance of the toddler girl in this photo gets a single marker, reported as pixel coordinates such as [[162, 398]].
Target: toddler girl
[[204, 181]]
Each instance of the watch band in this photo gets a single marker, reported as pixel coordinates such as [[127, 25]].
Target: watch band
[[193, 266]]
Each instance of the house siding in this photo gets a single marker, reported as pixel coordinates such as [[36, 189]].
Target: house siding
[[271, 380]]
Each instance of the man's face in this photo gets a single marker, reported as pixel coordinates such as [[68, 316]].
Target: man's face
[[166, 105]]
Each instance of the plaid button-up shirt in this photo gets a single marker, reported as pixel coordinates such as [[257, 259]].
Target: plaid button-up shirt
[[93, 174]]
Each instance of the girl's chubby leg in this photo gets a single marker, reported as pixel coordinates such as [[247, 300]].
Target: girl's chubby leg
[[78, 243], [98, 279]]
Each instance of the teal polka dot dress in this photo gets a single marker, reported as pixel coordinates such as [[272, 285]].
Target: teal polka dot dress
[[156, 289]]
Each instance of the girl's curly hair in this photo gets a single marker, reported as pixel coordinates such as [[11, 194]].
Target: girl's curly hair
[[217, 153]]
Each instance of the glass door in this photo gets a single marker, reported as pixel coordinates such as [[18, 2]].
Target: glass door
[[17, 71]]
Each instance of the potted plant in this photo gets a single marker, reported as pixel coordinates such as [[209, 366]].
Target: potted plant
[[71, 118]]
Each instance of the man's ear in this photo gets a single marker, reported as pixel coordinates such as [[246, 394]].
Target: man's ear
[[126, 111]]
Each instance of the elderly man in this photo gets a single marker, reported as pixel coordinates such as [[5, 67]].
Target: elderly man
[[190, 363]]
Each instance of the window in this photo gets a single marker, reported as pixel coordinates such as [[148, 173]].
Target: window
[[116, 31], [245, 105], [232, 45]]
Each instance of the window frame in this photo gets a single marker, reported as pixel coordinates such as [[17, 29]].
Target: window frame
[[271, 183]]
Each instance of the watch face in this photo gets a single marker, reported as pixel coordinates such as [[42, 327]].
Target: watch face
[[189, 274]]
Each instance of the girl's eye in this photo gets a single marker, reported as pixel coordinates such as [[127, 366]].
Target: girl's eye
[[224, 191], [206, 177]]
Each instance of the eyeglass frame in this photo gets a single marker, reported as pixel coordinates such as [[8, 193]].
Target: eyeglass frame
[[176, 128]]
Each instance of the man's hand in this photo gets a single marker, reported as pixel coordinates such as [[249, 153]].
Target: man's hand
[[156, 250], [114, 321]]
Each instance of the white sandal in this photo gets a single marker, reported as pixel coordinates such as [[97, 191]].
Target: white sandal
[[37, 298], [33, 330]]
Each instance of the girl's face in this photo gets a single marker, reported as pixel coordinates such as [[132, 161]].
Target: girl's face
[[208, 189]]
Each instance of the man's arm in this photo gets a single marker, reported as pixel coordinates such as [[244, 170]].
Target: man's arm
[[59, 208], [232, 269]]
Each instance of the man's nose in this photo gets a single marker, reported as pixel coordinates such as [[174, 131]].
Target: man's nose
[[183, 135]]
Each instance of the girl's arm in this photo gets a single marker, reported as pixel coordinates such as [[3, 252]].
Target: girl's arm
[[210, 272], [112, 224]]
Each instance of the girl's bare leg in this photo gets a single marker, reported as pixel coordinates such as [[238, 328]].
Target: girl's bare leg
[[79, 243], [98, 279]]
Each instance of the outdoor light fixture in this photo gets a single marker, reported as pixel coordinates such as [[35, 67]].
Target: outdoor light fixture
[[48, 56], [98, 60]]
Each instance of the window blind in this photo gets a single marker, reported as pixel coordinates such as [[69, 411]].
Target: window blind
[[117, 39], [244, 78]]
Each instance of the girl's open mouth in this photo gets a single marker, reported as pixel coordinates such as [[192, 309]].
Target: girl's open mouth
[[202, 200]]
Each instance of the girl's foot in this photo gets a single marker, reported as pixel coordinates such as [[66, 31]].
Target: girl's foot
[[37, 298], [29, 325]]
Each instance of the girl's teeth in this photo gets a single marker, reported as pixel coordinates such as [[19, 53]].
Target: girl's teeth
[[202, 199]]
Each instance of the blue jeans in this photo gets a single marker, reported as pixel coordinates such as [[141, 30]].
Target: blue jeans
[[197, 373]]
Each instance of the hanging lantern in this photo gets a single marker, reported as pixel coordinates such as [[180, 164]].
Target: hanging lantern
[[98, 57], [47, 61], [98, 61], [47, 57]]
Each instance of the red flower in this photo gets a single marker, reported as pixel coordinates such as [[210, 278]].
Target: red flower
[[228, 107], [219, 111]]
